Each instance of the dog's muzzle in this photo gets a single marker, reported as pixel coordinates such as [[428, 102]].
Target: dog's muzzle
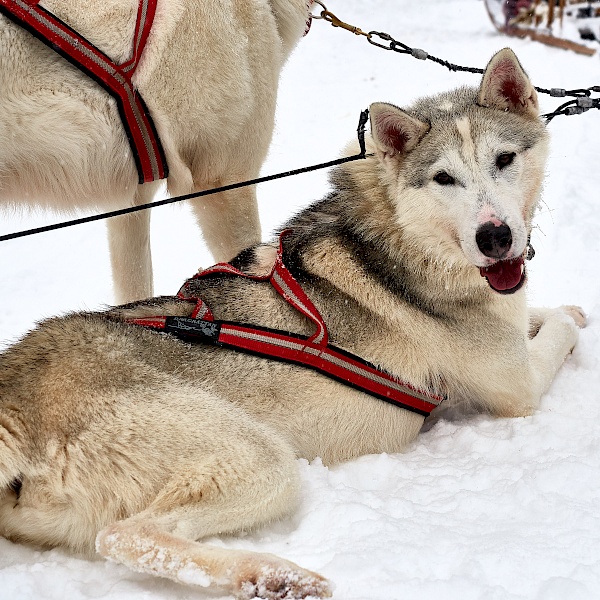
[[495, 240]]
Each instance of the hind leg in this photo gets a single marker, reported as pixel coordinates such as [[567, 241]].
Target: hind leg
[[229, 221], [130, 255], [247, 484]]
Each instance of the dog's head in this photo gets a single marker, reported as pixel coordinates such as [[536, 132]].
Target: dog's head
[[465, 170]]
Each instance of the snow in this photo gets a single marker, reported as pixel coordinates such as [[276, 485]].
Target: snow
[[475, 508]]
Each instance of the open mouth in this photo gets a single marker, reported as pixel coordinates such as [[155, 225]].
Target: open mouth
[[505, 276]]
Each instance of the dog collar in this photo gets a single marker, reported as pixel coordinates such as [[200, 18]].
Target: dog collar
[[313, 352], [115, 79]]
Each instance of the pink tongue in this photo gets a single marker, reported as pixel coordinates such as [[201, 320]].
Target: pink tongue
[[504, 275]]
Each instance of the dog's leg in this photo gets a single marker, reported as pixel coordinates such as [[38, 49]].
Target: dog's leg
[[555, 339], [551, 336], [252, 480], [130, 256], [538, 315], [229, 221]]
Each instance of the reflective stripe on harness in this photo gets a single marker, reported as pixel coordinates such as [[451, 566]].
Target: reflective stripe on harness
[[313, 352], [115, 79]]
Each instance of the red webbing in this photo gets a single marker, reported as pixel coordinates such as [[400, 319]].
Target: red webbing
[[314, 352], [329, 361], [116, 79]]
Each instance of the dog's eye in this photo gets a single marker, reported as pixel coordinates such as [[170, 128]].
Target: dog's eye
[[443, 178], [505, 159]]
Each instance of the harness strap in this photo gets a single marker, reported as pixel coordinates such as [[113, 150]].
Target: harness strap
[[282, 281], [313, 352], [115, 79]]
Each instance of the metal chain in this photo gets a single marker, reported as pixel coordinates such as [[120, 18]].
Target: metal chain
[[582, 100]]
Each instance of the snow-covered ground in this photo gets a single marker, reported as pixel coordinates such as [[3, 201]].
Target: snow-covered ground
[[479, 508]]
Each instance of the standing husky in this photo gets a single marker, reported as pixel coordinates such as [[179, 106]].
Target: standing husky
[[138, 444], [209, 75]]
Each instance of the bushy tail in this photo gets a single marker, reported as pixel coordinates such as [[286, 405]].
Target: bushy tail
[[12, 458]]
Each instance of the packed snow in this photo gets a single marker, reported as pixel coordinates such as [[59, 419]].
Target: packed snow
[[475, 508]]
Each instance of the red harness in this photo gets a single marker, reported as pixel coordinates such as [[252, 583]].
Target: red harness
[[115, 79], [314, 352]]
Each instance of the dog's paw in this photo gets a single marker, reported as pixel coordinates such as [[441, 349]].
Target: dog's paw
[[576, 313], [280, 580], [563, 325]]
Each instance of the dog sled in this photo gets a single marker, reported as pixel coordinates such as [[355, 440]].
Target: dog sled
[[569, 24]]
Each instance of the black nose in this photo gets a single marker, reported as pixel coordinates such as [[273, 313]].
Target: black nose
[[494, 240]]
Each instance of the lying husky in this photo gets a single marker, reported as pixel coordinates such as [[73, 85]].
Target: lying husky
[[209, 76], [132, 441]]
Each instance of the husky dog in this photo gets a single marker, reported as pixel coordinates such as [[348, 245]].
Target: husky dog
[[209, 76], [136, 443]]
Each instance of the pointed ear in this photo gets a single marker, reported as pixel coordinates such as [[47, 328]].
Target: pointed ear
[[394, 131], [505, 86]]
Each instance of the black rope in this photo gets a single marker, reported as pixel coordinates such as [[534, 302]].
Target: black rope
[[364, 115], [453, 67], [581, 104], [582, 100], [402, 48]]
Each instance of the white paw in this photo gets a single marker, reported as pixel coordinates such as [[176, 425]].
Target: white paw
[[563, 328], [576, 313]]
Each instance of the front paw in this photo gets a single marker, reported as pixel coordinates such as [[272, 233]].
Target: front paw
[[576, 313]]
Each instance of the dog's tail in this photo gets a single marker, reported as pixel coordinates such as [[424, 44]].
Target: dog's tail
[[12, 441]]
